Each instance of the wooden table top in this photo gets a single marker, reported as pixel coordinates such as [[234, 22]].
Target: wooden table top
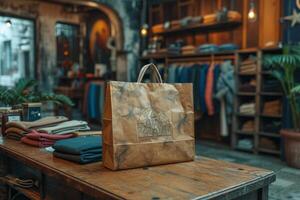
[[202, 179]]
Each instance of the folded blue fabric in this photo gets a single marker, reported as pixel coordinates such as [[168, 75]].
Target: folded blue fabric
[[228, 47], [79, 145], [82, 159], [208, 48]]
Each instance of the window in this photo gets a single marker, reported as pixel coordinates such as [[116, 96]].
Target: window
[[16, 49], [67, 37]]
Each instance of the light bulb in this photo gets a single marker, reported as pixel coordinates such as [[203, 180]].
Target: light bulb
[[252, 13], [144, 30]]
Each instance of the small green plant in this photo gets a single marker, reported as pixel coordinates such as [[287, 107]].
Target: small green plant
[[24, 92], [283, 68]]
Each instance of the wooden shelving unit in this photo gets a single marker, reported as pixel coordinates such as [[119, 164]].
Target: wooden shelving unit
[[258, 97], [204, 28], [30, 193]]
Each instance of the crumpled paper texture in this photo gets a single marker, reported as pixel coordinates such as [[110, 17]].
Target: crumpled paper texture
[[147, 124]]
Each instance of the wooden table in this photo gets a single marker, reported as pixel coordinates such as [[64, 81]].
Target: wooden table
[[202, 179]]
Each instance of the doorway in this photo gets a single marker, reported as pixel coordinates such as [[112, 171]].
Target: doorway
[[17, 49]]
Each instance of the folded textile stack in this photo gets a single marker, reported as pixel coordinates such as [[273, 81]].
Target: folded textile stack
[[175, 48], [158, 28], [247, 108], [81, 149], [22, 183], [246, 144], [268, 143], [209, 19], [66, 127], [188, 49], [228, 47], [272, 127], [18, 129], [271, 85], [175, 24], [248, 68], [272, 107], [234, 16], [207, 48], [38, 139], [248, 126], [249, 86]]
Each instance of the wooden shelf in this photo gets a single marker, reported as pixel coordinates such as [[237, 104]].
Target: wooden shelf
[[266, 73], [274, 135], [30, 193], [271, 93], [240, 132], [270, 151], [259, 98], [246, 93], [245, 115], [246, 74], [271, 116], [205, 28], [196, 55]]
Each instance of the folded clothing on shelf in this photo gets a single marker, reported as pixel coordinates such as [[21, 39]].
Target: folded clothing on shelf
[[246, 144], [37, 143], [234, 15], [272, 127], [272, 107], [249, 61], [175, 24], [15, 133], [37, 139], [249, 68], [271, 85], [66, 127], [209, 19], [248, 87], [80, 149], [158, 28], [46, 121], [228, 47], [186, 21], [268, 143], [188, 49], [22, 183], [247, 108], [248, 126], [207, 48], [175, 48]]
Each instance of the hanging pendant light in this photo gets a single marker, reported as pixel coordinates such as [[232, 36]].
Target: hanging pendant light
[[144, 30], [252, 15]]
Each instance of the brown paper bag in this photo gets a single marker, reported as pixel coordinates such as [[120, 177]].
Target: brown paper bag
[[147, 124]]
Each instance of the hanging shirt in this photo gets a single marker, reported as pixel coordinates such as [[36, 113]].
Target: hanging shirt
[[202, 85], [209, 90]]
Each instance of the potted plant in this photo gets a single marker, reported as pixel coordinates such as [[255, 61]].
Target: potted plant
[[23, 92], [284, 67]]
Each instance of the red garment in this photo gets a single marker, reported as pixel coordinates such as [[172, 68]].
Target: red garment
[[37, 143], [209, 90], [35, 135]]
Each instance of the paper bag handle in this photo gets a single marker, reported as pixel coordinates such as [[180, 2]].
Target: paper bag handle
[[145, 68]]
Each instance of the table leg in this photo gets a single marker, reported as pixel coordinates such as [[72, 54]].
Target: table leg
[[263, 193]]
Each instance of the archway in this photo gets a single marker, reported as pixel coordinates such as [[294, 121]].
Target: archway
[[116, 24]]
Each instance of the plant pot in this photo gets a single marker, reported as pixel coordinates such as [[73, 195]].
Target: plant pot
[[292, 147]]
